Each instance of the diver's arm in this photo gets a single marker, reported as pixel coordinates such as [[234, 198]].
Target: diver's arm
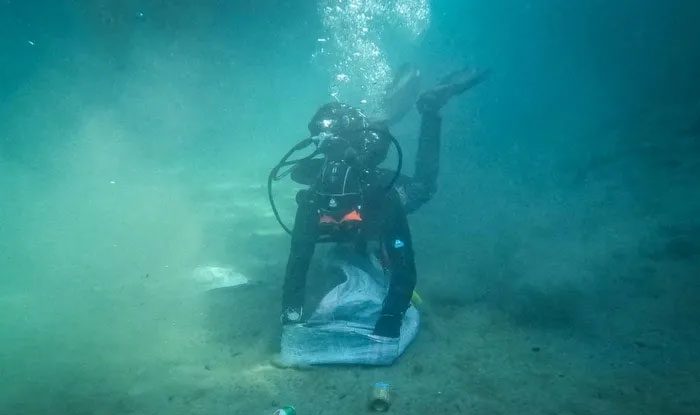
[[423, 185], [417, 190], [303, 244], [427, 164], [398, 245]]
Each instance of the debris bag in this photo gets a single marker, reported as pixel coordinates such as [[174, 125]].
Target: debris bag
[[339, 331]]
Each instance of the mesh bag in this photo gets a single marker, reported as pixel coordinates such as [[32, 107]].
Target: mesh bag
[[339, 331]]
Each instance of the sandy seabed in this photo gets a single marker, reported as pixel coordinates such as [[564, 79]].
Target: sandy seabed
[[468, 358]]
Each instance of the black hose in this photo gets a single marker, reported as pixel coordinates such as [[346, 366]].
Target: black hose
[[399, 153], [272, 200], [273, 176], [399, 164]]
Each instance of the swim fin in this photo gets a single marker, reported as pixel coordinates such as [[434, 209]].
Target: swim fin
[[401, 94], [453, 84]]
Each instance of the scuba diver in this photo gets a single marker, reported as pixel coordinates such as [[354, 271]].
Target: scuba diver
[[351, 199]]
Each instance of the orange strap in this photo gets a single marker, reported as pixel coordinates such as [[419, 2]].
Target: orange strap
[[353, 216]]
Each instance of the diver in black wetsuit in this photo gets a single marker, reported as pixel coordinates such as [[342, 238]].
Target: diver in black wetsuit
[[350, 199]]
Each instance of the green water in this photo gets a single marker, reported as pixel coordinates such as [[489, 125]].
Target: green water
[[558, 261]]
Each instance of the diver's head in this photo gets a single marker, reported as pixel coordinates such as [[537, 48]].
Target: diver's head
[[338, 119]]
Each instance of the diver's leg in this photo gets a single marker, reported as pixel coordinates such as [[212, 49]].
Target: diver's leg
[[304, 236], [397, 243]]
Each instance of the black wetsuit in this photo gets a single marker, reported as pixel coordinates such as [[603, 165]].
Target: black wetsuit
[[384, 219]]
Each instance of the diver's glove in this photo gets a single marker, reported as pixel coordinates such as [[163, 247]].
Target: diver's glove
[[388, 325], [453, 84]]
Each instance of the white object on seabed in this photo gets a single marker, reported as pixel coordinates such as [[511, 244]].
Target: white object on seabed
[[213, 277]]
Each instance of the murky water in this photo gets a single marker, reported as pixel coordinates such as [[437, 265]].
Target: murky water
[[558, 261]]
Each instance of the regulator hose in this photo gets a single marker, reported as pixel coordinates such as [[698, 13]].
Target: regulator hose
[[273, 176]]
